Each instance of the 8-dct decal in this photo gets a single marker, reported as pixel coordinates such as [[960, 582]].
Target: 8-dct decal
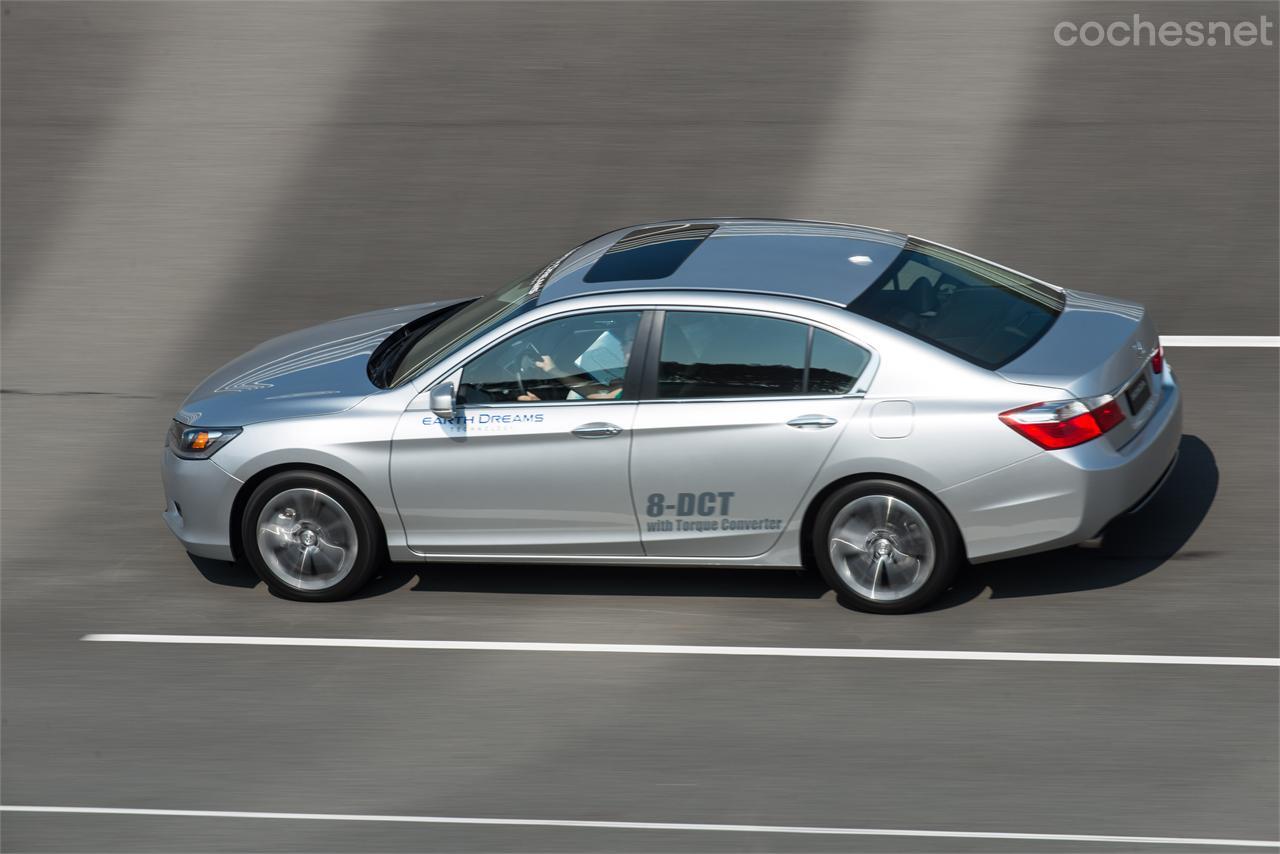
[[701, 504], [689, 504]]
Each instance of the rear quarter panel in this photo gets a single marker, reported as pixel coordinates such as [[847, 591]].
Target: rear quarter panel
[[929, 418]]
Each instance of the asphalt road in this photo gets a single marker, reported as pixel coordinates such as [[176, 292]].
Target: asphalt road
[[181, 181]]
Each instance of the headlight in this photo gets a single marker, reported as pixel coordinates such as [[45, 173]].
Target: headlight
[[198, 443]]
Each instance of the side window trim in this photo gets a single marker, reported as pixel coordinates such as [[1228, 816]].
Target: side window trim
[[808, 358], [632, 382], [648, 388]]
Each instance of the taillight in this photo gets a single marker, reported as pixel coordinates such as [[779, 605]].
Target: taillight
[[1157, 360], [1064, 423]]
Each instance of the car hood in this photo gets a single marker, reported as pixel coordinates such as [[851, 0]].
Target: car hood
[[314, 371]]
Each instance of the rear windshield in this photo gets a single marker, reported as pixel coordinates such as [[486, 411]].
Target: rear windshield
[[982, 313]]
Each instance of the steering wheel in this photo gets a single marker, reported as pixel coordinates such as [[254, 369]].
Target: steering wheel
[[524, 361]]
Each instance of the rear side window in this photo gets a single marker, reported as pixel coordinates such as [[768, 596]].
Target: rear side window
[[834, 364], [979, 312], [712, 354], [707, 354]]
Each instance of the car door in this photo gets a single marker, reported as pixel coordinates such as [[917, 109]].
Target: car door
[[740, 412], [534, 460]]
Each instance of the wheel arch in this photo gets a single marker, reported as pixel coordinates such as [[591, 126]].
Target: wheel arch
[[815, 505], [247, 488]]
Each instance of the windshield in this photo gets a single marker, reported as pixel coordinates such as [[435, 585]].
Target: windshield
[[461, 326]]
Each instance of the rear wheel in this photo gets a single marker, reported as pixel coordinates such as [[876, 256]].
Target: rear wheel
[[885, 547], [310, 536]]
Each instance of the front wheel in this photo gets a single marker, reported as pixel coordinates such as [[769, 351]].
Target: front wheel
[[310, 536], [885, 547]]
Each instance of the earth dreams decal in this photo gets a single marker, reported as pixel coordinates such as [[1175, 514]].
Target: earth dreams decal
[[485, 421]]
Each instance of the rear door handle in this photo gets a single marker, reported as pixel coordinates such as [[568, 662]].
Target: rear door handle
[[597, 430], [812, 422]]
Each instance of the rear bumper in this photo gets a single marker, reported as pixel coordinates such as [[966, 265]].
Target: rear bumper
[[1060, 498], [1151, 493], [198, 495]]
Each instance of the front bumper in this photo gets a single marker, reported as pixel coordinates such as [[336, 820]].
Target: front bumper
[[198, 496], [1060, 498]]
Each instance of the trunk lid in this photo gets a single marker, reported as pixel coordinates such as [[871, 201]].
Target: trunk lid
[[1098, 345]]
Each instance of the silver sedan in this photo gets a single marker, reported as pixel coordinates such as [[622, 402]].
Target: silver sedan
[[753, 393]]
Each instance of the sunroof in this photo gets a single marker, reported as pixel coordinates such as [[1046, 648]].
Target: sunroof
[[648, 253]]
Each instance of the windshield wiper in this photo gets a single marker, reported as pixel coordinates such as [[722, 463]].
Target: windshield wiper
[[386, 358]]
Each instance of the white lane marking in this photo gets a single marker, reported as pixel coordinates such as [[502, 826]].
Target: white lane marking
[[652, 825], [666, 649], [1220, 340]]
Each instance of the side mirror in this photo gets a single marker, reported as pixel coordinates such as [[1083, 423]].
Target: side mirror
[[442, 400]]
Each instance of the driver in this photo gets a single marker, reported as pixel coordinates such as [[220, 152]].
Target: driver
[[599, 374]]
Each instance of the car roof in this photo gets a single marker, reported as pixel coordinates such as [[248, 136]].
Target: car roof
[[824, 261]]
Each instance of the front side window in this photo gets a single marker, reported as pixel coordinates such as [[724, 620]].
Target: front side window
[[712, 354], [580, 357]]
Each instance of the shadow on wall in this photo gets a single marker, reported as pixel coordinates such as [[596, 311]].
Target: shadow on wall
[[1135, 545], [62, 82], [476, 142]]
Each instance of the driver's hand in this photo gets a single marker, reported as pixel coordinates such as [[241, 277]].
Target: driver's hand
[[606, 394], [546, 364], [528, 396]]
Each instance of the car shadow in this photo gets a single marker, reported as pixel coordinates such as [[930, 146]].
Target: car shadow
[[596, 580], [1134, 546], [561, 579], [237, 574]]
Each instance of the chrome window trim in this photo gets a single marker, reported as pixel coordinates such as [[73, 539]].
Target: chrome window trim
[[758, 398], [510, 403], [855, 395]]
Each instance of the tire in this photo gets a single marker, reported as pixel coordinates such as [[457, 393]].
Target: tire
[[310, 536], [885, 547]]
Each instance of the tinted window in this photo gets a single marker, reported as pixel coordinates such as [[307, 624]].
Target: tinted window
[[580, 357], [834, 364], [649, 253], [965, 306], [706, 354]]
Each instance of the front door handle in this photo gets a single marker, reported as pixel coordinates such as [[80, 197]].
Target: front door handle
[[597, 430], [812, 422]]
